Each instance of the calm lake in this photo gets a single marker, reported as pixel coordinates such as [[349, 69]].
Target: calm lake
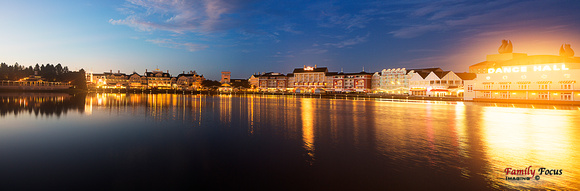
[[166, 141]]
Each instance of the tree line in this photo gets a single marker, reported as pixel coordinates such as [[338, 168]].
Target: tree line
[[49, 72]]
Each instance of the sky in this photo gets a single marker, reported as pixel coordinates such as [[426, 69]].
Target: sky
[[251, 36]]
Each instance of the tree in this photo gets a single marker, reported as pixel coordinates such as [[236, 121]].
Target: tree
[[210, 84], [58, 69], [242, 84]]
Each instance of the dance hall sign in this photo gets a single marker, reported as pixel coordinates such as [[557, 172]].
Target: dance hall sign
[[530, 68]]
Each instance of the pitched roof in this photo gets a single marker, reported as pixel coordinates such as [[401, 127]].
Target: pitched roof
[[426, 70], [270, 74], [152, 74], [423, 74], [359, 73], [318, 69], [441, 74], [466, 76]]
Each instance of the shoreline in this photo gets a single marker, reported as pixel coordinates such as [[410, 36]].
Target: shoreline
[[301, 95]]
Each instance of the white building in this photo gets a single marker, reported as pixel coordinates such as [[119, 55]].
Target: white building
[[522, 78]]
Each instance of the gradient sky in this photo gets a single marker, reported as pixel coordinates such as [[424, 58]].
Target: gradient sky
[[248, 36]]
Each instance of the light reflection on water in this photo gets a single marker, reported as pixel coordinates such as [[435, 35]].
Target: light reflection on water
[[372, 143]]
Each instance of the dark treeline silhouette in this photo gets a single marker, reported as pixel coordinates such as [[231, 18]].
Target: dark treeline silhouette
[[51, 73], [44, 105]]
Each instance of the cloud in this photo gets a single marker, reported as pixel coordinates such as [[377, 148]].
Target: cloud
[[192, 47], [314, 51], [349, 42], [177, 16], [289, 28], [417, 30]]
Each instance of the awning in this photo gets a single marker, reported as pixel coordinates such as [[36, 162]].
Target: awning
[[567, 82], [439, 90]]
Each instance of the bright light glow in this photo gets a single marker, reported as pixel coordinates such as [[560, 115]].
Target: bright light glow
[[523, 69]]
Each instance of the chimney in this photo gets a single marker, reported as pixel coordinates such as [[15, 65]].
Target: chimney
[[168, 71], [183, 72], [145, 70], [119, 71], [111, 71], [314, 65]]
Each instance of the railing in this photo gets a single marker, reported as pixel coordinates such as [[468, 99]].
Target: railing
[[33, 84]]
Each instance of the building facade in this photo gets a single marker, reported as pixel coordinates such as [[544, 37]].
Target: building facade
[[518, 77], [308, 78], [189, 81]]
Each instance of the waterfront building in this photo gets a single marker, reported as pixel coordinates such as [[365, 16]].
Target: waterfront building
[[290, 81], [137, 81], [376, 82], [157, 79], [513, 77], [308, 78], [396, 80], [271, 81], [116, 80], [33, 82], [351, 82], [434, 82], [254, 81], [226, 76], [189, 81]]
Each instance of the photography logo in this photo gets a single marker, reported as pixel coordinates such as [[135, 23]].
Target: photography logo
[[529, 173]]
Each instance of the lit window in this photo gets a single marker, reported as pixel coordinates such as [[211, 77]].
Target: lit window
[[566, 86], [543, 95], [543, 86], [566, 96]]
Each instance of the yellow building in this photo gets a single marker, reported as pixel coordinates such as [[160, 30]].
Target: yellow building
[[518, 77]]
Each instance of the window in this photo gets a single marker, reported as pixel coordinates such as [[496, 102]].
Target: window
[[566, 86], [469, 88], [505, 95], [566, 96], [487, 86], [524, 86], [543, 95], [543, 86], [487, 94], [504, 86]]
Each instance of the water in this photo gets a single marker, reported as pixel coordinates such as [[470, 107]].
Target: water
[[164, 141]]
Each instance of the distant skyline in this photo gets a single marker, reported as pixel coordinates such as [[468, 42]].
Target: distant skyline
[[246, 37]]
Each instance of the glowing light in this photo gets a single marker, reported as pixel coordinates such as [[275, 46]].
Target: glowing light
[[523, 69]]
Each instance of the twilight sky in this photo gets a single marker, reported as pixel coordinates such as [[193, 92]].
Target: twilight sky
[[248, 36]]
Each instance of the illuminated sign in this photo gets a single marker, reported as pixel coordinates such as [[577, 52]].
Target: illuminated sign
[[309, 68], [535, 68]]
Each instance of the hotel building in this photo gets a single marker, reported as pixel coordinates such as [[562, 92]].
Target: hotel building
[[189, 81], [351, 82], [271, 81], [516, 77], [395, 81], [310, 78], [434, 82]]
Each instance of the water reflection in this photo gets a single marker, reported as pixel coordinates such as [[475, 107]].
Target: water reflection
[[308, 126], [518, 138], [342, 144], [40, 104]]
